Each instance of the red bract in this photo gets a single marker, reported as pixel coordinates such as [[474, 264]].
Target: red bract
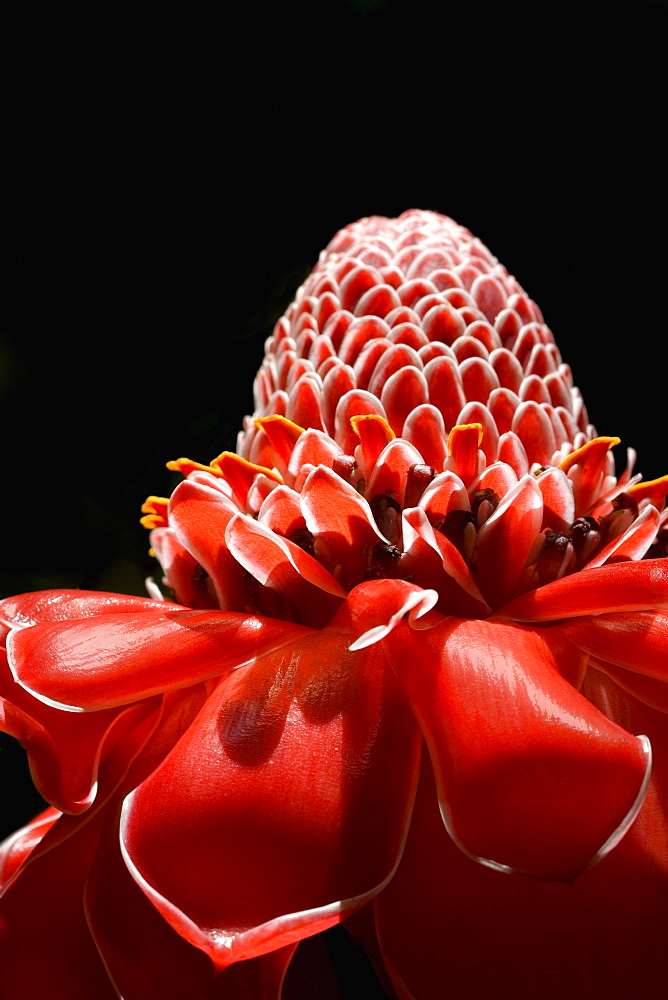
[[420, 624]]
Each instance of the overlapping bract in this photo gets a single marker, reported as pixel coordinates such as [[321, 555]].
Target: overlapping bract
[[420, 543]]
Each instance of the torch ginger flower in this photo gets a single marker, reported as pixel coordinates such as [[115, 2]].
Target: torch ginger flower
[[413, 629]]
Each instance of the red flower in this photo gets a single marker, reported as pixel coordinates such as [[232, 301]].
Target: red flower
[[420, 550]]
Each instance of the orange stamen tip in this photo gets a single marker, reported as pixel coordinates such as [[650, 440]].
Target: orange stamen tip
[[228, 463], [283, 422], [186, 465], [155, 505], [598, 447], [654, 490], [363, 422], [461, 431], [151, 521], [283, 435]]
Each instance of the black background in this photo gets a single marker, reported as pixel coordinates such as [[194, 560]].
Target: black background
[[171, 172]]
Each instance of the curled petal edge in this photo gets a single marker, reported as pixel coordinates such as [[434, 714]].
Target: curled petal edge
[[224, 948], [615, 837], [417, 604]]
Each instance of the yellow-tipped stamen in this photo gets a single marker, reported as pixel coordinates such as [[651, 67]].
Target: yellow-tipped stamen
[[155, 511], [186, 465], [374, 433], [654, 490], [155, 505], [151, 521], [463, 443], [240, 474], [590, 454], [282, 434]]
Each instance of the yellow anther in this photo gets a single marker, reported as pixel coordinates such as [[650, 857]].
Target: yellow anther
[[155, 505], [278, 419], [592, 451], [282, 433], [155, 512], [186, 465], [372, 423], [374, 433], [464, 431], [152, 521], [232, 465], [654, 490], [463, 443]]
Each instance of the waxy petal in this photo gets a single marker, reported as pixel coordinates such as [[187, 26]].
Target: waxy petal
[[147, 959], [309, 590], [545, 790], [533, 427], [62, 605], [111, 660], [636, 640], [648, 690], [19, 845], [199, 516], [558, 500], [374, 608], [425, 429], [342, 522], [602, 935], [627, 586], [390, 474], [47, 950], [453, 562], [191, 586], [65, 753], [262, 551], [321, 734], [505, 539], [633, 543]]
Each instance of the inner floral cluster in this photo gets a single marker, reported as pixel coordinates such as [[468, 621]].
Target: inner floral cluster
[[413, 420]]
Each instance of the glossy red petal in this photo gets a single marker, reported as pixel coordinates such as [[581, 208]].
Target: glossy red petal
[[310, 592], [313, 448], [444, 920], [199, 516], [452, 561], [626, 586], [18, 846], [533, 427], [63, 605], [531, 777], [146, 959], [425, 429], [343, 523], [390, 474], [183, 574], [285, 802], [265, 554], [111, 660], [636, 640], [558, 501], [649, 690], [505, 539], [374, 608], [633, 543], [403, 391], [281, 512], [446, 392], [45, 946], [64, 752]]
